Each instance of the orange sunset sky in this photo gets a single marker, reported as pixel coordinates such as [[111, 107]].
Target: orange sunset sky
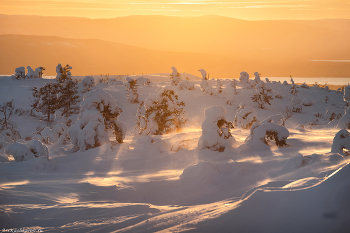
[[248, 10]]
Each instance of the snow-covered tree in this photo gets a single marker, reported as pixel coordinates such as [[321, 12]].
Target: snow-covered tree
[[86, 84], [63, 73], [53, 135], [245, 117], [206, 87], [341, 142], [160, 114], [186, 85], [257, 78], [262, 96], [244, 78], [8, 128], [7, 109], [204, 74], [294, 88], [98, 115], [216, 134], [37, 73], [46, 99], [262, 134], [20, 73], [131, 88], [175, 77], [68, 97]]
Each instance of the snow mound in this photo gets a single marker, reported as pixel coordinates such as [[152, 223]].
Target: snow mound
[[150, 146], [261, 134], [33, 149], [341, 141], [215, 130]]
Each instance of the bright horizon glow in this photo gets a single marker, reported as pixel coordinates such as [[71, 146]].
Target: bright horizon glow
[[247, 10]]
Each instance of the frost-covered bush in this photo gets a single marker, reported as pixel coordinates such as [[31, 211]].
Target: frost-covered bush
[[297, 103], [206, 87], [341, 142], [23, 152], [186, 85], [245, 117], [20, 73], [175, 77], [216, 130], [131, 88], [86, 84], [316, 119], [304, 85], [160, 114], [262, 95], [262, 134], [344, 122], [52, 135], [347, 95], [98, 115], [244, 78], [333, 112], [308, 102], [204, 74]]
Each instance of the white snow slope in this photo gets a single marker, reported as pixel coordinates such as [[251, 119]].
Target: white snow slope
[[168, 184]]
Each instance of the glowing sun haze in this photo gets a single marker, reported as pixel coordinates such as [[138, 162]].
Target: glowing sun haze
[[248, 10]]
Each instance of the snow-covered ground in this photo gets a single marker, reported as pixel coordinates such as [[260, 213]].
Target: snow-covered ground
[[166, 183]]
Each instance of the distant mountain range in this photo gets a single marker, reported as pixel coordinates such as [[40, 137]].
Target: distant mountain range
[[148, 44]]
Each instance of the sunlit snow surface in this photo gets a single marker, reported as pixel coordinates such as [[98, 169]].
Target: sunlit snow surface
[[124, 188]]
